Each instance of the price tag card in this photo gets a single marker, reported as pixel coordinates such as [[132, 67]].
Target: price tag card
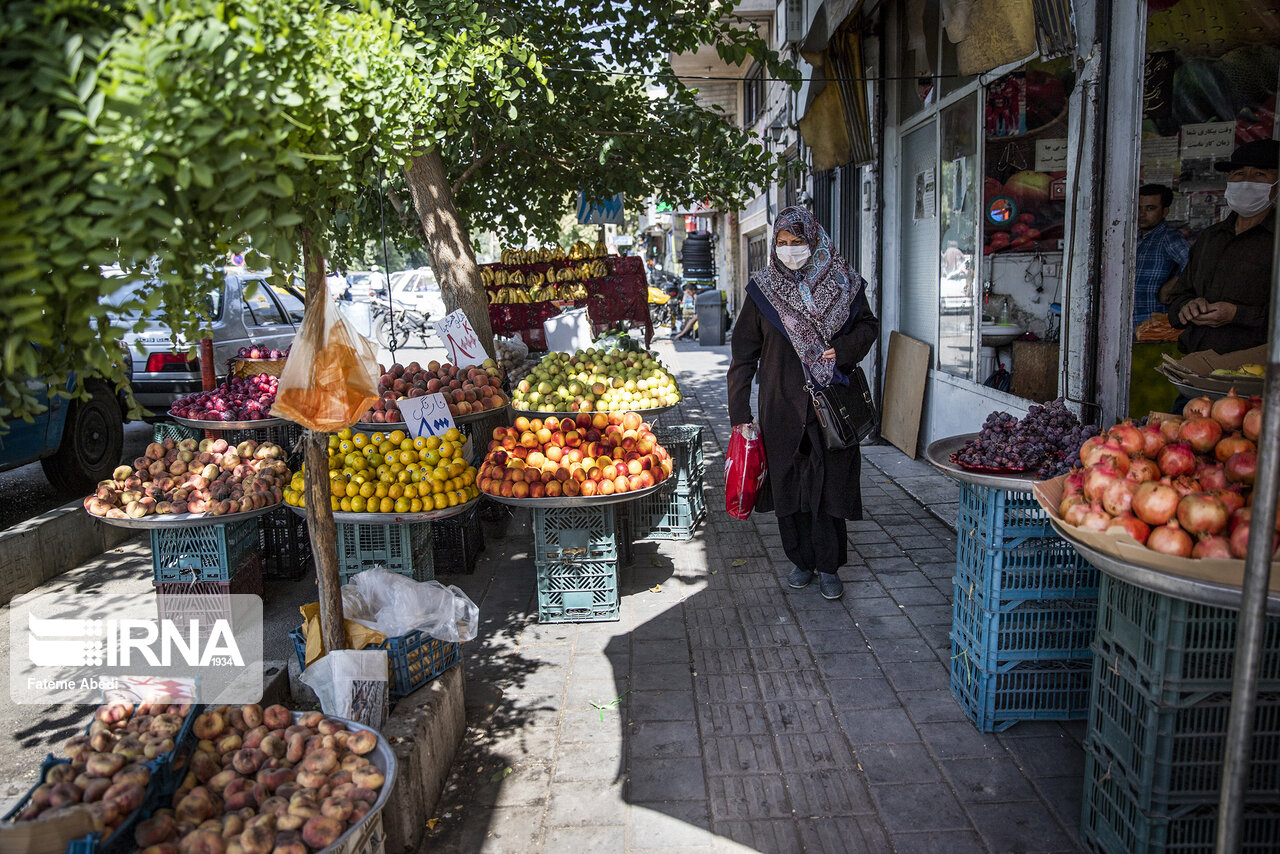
[[1051, 155], [460, 340], [427, 415], [1208, 140]]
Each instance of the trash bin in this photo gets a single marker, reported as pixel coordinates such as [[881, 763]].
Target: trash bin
[[710, 318]]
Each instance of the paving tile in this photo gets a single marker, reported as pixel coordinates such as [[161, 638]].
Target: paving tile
[[789, 716], [670, 676], [863, 589], [988, 780], [585, 804], [733, 719], [674, 779], [743, 797], [782, 658], [580, 694], [504, 830], [919, 596], [906, 762], [1021, 827], [903, 649], [830, 791], [877, 726], [527, 784], [932, 706], [960, 740], [844, 835], [670, 825], [750, 754], [717, 637], [919, 806], [662, 739], [834, 642], [583, 762], [879, 606], [857, 694], [675, 705], [723, 661], [759, 835], [598, 839], [930, 615], [1048, 756], [727, 688], [772, 634], [896, 573], [803, 752], [918, 675], [793, 684], [877, 550], [659, 651], [933, 842], [668, 625], [895, 627], [1064, 796]]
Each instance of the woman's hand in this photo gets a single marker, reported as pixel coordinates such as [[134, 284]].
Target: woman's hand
[[830, 354]]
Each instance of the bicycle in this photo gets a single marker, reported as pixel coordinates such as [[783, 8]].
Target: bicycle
[[394, 329]]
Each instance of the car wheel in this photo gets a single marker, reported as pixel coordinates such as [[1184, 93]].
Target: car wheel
[[92, 442]]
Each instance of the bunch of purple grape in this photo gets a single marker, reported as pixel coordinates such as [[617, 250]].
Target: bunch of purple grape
[[1045, 441]]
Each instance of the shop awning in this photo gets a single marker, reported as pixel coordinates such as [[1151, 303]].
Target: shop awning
[[837, 122], [991, 33]]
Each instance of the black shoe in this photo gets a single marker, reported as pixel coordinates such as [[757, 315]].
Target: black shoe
[[799, 578], [830, 585]]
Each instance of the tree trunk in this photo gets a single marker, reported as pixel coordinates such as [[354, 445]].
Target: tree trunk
[[449, 243], [320, 526]]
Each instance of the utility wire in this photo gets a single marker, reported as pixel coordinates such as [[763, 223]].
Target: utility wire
[[730, 78]]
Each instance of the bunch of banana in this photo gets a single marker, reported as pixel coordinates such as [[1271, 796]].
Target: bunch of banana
[[515, 277], [534, 280], [486, 276], [579, 251], [574, 291], [601, 250], [510, 296], [557, 253]]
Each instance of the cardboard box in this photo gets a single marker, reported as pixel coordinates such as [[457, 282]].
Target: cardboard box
[[1123, 547], [1196, 370]]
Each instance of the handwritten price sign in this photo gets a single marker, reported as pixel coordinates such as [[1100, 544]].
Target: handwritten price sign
[[427, 415], [460, 340]]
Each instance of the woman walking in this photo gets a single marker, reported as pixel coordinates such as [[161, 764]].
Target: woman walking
[[807, 314]]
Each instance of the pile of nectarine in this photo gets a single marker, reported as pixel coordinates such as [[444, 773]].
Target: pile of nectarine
[[598, 453]]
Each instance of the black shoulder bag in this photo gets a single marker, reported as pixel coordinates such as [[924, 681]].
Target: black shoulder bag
[[846, 413]]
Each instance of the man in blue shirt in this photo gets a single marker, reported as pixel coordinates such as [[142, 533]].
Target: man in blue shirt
[[1162, 251]]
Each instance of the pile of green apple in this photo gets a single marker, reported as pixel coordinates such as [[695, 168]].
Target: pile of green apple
[[596, 381]]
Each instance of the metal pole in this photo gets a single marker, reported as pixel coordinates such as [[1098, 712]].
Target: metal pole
[[1257, 577], [386, 261]]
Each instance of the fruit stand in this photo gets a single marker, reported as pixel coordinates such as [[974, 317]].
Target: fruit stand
[[614, 294]]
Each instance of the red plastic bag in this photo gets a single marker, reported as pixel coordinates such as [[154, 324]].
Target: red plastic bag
[[744, 471]]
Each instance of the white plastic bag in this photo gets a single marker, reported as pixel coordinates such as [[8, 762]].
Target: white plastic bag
[[395, 605], [352, 684], [569, 331]]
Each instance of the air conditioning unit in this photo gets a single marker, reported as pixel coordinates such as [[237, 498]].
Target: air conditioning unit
[[793, 20]]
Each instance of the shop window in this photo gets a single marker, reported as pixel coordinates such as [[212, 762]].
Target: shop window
[[757, 253], [960, 266], [919, 30], [849, 204], [823, 210], [753, 96]]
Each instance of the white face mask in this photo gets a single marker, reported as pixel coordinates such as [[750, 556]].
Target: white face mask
[[793, 257], [1248, 198]]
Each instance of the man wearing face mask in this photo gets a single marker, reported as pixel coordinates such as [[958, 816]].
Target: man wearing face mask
[[1222, 298]]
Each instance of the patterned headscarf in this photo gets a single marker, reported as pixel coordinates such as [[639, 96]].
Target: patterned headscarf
[[814, 301]]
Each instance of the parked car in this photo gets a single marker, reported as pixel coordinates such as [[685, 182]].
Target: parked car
[[362, 285], [245, 310], [77, 442], [417, 290]]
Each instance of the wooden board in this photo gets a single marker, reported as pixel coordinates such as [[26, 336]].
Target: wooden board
[[905, 375]]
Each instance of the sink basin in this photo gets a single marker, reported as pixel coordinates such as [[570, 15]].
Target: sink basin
[[999, 334]]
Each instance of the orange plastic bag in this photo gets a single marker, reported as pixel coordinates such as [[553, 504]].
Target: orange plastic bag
[[331, 375]]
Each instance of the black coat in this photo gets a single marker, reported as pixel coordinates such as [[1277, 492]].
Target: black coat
[[803, 475]]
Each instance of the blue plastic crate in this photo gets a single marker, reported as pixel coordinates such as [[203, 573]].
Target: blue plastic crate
[[202, 553], [575, 534], [672, 513], [684, 443], [1175, 646], [1034, 690], [1112, 822], [1172, 753], [999, 517], [579, 592], [999, 578], [404, 548], [413, 659], [162, 430], [1048, 630], [458, 542]]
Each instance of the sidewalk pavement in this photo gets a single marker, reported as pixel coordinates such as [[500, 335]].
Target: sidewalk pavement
[[726, 712]]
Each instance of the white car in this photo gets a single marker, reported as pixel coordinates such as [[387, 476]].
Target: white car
[[417, 290]]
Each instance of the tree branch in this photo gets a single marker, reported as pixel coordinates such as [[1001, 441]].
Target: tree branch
[[478, 163]]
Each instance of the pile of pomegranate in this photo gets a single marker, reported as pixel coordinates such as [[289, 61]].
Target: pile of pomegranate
[[1180, 485], [239, 399], [262, 351]]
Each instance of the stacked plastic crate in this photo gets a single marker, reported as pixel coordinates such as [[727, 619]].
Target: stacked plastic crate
[[197, 569], [285, 544], [1157, 726], [404, 548], [675, 511], [458, 542], [1024, 613], [576, 555]]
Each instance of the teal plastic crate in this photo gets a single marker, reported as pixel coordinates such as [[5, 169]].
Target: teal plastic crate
[[1033, 690], [413, 659], [1112, 822], [577, 592], [684, 443], [404, 548], [162, 430], [1000, 578], [1175, 646], [202, 553], [1048, 630], [673, 513], [1172, 753], [575, 534], [999, 517]]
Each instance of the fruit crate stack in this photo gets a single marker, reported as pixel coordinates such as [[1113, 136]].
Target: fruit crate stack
[[576, 556], [674, 511], [162, 430], [285, 544], [402, 547], [195, 570], [1023, 616], [413, 659], [458, 542], [1162, 678]]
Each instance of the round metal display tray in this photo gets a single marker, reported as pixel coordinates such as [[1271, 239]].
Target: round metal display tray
[[186, 520], [577, 500], [228, 425], [348, 518], [939, 454], [388, 426], [1194, 391], [643, 413], [1167, 584]]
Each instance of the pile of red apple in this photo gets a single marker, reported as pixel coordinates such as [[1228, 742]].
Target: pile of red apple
[[262, 351], [467, 390], [592, 454], [210, 477], [1182, 486], [239, 399]]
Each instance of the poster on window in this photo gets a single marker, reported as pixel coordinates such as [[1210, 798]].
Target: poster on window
[[926, 195]]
